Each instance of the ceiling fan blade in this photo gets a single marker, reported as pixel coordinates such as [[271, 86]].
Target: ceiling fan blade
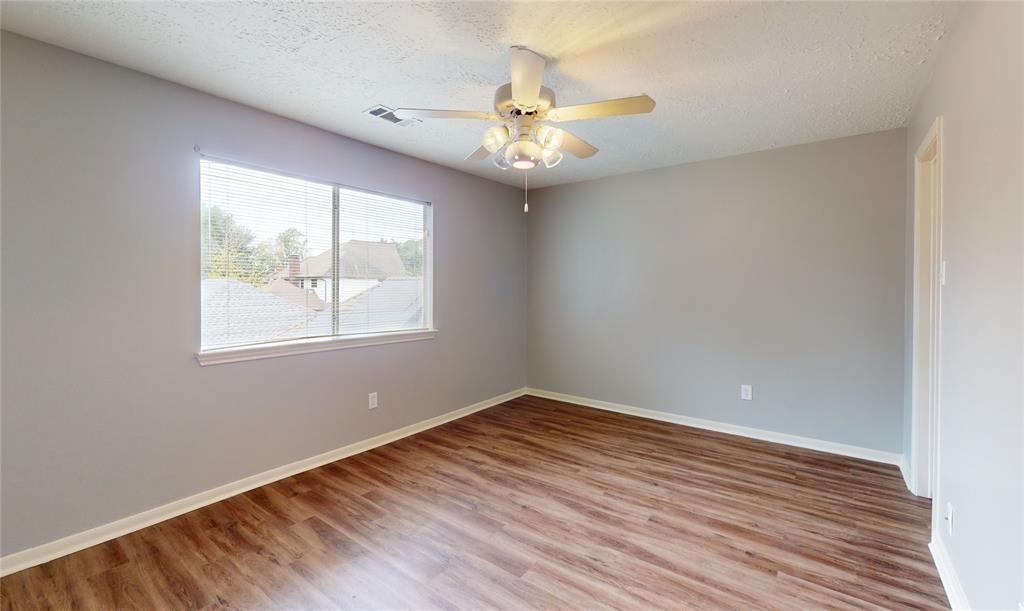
[[608, 108], [578, 147], [527, 72], [477, 155], [430, 113]]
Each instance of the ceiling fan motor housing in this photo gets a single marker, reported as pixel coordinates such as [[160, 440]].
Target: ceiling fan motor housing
[[504, 105]]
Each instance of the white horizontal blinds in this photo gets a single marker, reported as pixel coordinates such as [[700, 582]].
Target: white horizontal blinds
[[285, 258], [266, 256], [382, 263]]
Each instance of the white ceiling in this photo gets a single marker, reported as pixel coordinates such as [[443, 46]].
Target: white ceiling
[[728, 77]]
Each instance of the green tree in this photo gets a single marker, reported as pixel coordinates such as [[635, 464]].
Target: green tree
[[228, 250], [411, 252], [227, 246], [291, 242], [266, 261]]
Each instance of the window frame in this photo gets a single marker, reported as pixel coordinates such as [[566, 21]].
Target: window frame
[[271, 349]]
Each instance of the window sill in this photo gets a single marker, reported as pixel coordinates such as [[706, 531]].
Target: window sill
[[306, 346]]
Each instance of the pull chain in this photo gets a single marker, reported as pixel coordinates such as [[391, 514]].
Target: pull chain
[[526, 195]]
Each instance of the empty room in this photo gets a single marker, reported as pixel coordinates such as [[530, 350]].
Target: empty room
[[511, 305]]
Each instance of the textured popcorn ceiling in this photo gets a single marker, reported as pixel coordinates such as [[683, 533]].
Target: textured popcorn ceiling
[[728, 77]]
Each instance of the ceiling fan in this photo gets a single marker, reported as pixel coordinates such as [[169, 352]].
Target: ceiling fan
[[526, 108]]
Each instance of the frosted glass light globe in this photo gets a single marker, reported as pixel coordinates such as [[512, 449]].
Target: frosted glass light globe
[[523, 154], [549, 137], [551, 157], [495, 138]]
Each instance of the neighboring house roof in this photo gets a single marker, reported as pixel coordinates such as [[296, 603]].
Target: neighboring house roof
[[303, 297], [359, 259], [316, 267], [347, 289], [236, 313], [350, 287], [394, 304]]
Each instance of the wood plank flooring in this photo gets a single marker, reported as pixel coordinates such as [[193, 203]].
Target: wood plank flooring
[[530, 504]]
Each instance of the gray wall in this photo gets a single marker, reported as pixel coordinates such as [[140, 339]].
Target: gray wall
[[667, 289], [105, 411], [663, 289], [977, 89]]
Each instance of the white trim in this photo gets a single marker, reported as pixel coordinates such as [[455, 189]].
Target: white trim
[[321, 181], [428, 266], [947, 574], [72, 543], [934, 135], [831, 447], [308, 345], [926, 306], [906, 472]]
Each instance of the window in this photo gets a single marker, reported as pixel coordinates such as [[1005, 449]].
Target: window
[[264, 235]]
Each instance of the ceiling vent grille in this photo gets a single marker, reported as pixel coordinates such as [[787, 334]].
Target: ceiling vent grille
[[388, 114]]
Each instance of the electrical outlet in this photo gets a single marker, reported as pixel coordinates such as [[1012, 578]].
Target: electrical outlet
[[746, 392], [373, 401], [949, 518]]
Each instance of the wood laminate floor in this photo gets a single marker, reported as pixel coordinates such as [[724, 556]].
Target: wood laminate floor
[[530, 504]]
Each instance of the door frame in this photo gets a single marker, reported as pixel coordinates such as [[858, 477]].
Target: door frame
[[928, 278]]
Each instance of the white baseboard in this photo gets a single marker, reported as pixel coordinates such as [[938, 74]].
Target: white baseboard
[[907, 475], [94, 536], [950, 581], [733, 429]]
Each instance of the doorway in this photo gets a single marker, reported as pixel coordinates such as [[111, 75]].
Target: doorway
[[929, 275]]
